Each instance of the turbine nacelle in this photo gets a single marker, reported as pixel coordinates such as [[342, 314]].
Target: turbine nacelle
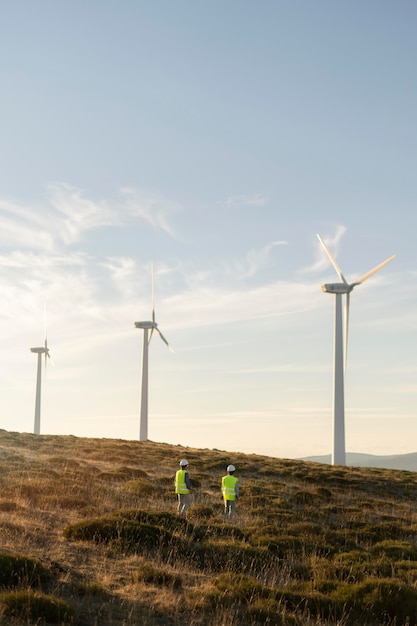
[[341, 288], [40, 350], [146, 325]]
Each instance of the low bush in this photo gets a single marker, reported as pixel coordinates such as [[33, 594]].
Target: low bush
[[396, 550], [356, 566], [149, 574], [309, 603], [240, 587], [384, 601], [130, 534], [34, 607], [16, 569], [139, 487], [91, 590], [164, 519], [270, 612]]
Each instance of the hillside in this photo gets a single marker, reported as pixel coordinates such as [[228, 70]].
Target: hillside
[[90, 536], [406, 462]]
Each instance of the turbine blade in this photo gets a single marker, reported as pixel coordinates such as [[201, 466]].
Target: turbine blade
[[163, 339], [347, 304], [333, 260], [153, 293], [45, 324], [374, 271], [150, 336], [45, 330]]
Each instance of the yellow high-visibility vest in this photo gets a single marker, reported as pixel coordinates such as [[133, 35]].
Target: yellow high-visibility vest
[[229, 487], [180, 484]]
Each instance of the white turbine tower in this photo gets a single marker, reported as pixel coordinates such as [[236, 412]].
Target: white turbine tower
[[40, 351], [146, 326], [340, 350]]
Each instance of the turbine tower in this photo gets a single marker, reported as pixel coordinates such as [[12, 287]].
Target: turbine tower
[[340, 349], [146, 327], [40, 351]]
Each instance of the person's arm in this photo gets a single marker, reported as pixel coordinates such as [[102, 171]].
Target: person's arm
[[187, 480], [237, 490]]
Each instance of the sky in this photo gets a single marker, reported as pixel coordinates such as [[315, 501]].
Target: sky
[[214, 141]]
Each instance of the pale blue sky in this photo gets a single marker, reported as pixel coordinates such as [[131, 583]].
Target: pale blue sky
[[214, 139]]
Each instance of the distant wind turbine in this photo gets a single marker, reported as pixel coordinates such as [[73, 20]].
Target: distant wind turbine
[[146, 326], [340, 350], [39, 351]]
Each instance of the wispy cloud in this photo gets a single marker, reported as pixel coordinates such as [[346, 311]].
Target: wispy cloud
[[78, 214], [151, 208], [67, 214], [122, 273], [32, 262], [30, 279], [213, 305], [23, 227], [255, 260]]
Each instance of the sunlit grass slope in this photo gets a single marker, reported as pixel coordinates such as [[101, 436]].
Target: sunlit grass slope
[[89, 536]]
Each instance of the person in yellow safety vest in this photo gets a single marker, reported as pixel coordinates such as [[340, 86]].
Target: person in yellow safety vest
[[183, 488], [230, 490]]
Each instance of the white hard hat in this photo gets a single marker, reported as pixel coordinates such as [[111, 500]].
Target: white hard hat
[[183, 462], [231, 468]]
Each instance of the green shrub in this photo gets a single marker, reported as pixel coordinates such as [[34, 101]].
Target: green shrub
[[396, 550], [91, 589], [164, 519], [357, 565], [129, 533], [240, 587], [282, 546], [379, 600], [306, 603], [16, 569], [152, 575], [326, 586], [29, 605], [270, 612], [371, 533]]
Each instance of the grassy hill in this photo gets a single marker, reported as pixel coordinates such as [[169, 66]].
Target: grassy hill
[[89, 536], [391, 461]]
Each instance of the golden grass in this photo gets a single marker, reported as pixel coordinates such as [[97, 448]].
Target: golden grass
[[310, 545]]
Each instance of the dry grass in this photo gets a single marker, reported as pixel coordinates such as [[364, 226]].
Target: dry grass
[[311, 545]]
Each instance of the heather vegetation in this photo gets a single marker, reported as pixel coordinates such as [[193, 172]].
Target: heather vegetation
[[90, 536]]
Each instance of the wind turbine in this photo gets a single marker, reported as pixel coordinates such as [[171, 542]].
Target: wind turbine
[[340, 349], [146, 326], [39, 351]]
